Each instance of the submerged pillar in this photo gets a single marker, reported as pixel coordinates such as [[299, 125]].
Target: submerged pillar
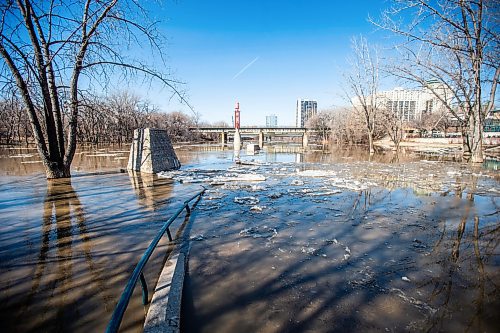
[[152, 152], [223, 138], [237, 144]]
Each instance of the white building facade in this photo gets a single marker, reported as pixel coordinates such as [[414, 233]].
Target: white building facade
[[306, 109], [411, 104]]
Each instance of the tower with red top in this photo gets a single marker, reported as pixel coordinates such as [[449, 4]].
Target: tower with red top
[[237, 116]]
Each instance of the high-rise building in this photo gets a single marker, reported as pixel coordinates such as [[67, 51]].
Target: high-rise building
[[306, 109], [272, 120]]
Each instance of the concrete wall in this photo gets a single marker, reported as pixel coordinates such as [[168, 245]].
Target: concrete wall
[[152, 152]]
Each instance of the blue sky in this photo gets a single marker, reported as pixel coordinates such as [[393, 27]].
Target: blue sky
[[282, 50]]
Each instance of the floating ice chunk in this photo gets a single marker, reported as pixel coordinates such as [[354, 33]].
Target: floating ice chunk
[[256, 188], [321, 194], [347, 249], [21, 156], [309, 250], [346, 256], [275, 195], [246, 200], [189, 180], [316, 173], [255, 232], [168, 174], [197, 238], [404, 278], [250, 177], [297, 182], [257, 208]]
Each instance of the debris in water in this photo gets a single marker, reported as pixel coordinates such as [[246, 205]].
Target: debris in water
[[197, 238], [297, 182]]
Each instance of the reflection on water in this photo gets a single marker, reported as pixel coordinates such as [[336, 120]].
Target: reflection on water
[[67, 248], [54, 294], [151, 191]]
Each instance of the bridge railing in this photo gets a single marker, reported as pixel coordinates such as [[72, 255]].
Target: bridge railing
[[137, 274]]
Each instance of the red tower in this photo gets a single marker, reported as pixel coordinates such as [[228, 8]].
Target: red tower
[[237, 116]]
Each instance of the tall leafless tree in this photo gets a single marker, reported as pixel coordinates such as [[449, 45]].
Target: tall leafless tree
[[53, 50], [362, 85], [456, 43]]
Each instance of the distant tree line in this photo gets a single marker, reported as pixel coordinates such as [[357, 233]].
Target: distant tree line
[[103, 119], [347, 126]]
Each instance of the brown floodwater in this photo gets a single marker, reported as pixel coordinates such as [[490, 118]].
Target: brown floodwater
[[330, 241]]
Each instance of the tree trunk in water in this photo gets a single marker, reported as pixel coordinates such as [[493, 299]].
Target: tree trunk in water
[[370, 143], [466, 150], [477, 141], [55, 170]]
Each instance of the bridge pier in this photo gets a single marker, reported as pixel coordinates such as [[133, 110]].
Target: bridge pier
[[261, 139], [305, 139], [223, 137], [237, 144]]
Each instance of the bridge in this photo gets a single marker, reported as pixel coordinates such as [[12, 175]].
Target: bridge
[[261, 132]]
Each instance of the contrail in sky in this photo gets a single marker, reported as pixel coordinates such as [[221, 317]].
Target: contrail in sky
[[245, 68]]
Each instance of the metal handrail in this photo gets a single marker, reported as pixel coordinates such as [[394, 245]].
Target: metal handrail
[[116, 318]]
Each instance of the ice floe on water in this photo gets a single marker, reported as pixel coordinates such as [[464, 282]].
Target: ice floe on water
[[262, 232], [211, 176], [246, 200]]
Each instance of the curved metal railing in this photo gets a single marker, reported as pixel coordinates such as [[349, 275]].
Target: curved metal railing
[[137, 274]]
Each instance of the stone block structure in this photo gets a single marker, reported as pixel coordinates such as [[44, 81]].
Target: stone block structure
[[152, 152]]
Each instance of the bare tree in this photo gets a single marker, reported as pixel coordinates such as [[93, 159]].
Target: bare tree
[[393, 124], [321, 123], [453, 42], [48, 46], [362, 84]]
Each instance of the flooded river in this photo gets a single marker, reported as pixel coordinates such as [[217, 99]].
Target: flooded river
[[287, 242]]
